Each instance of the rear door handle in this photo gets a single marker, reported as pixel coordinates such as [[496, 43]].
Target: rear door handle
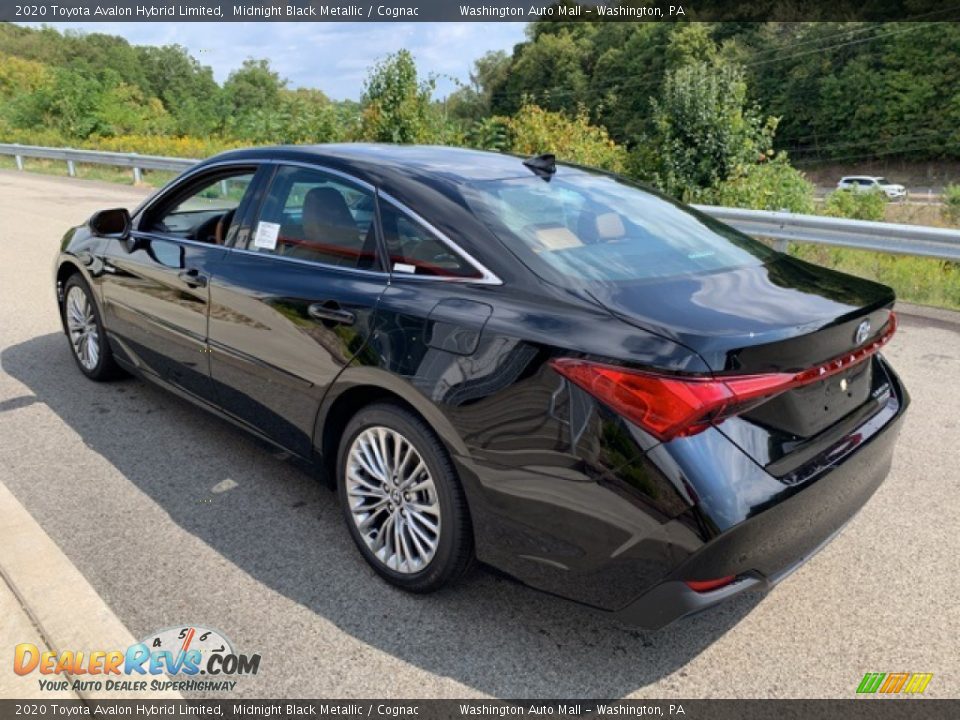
[[330, 311], [193, 277]]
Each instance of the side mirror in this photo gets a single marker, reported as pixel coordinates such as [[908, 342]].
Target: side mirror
[[111, 223]]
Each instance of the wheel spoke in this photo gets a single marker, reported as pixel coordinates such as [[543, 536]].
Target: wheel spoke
[[421, 542], [426, 522], [420, 508], [357, 478], [402, 532]]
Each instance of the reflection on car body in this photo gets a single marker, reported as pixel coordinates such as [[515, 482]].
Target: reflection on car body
[[605, 394]]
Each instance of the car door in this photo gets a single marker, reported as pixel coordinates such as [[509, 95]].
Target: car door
[[156, 281], [294, 300]]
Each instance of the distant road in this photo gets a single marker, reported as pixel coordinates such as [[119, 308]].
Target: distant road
[[175, 517], [919, 195]]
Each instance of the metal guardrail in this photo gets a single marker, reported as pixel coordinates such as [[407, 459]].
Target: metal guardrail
[[133, 161], [782, 227]]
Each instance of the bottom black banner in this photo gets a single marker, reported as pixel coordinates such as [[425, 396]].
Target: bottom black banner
[[874, 708]]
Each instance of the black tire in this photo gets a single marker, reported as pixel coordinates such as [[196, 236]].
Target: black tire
[[105, 367], [454, 546]]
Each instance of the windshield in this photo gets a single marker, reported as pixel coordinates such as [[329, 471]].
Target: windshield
[[583, 229]]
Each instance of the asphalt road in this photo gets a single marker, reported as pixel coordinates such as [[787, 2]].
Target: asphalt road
[[175, 517]]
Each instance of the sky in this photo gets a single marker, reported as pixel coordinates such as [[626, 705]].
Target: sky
[[332, 57]]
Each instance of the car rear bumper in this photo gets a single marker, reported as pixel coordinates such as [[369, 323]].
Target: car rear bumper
[[768, 546]]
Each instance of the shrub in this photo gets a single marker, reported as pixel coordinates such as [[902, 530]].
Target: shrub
[[951, 204], [856, 205], [774, 185], [534, 130]]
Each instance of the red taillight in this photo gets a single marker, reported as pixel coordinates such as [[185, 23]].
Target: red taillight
[[670, 406], [708, 585]]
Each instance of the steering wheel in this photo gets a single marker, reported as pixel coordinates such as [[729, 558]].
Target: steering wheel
[[223, 225], [206, 231]]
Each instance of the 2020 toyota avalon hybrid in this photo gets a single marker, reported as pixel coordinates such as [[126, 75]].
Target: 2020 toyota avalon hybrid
[[603, 393]]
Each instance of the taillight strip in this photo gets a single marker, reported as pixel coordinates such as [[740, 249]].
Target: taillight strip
[[848, 360], [670, 406]]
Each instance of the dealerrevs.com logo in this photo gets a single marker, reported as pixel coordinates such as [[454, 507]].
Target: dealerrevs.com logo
[[190, 658]]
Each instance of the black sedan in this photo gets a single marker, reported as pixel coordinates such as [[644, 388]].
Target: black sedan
[[597, 390]]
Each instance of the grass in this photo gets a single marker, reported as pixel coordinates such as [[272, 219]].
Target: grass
[[925, 281]]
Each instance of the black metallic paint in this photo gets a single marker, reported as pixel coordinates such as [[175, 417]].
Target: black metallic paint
[[564, 494]]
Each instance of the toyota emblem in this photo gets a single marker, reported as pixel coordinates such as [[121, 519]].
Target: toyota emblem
[[863, 331]]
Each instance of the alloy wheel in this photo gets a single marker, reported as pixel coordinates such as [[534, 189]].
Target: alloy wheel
[[393, 499], [82, 326]]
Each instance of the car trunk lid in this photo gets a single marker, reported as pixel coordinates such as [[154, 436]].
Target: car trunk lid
[[783, 316]]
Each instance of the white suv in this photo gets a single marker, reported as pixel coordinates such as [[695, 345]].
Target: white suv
[[866, 183]]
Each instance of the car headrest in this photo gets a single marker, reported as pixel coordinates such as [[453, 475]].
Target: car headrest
[[324, 209], [610, 226]]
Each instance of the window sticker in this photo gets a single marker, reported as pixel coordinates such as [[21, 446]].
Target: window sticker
[[266, 236], [404, 268]]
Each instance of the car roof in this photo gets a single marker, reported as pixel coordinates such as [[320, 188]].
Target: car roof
[[394, 164]]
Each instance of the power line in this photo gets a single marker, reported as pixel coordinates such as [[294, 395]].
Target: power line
[[619, 85]]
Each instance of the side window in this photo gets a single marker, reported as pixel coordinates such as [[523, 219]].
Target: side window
[[204, 211], [415, 250], [314, 215]]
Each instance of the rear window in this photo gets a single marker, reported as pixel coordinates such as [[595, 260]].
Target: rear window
[[588, 228]]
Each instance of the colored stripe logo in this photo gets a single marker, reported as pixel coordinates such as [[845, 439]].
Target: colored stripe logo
[[894, 683]]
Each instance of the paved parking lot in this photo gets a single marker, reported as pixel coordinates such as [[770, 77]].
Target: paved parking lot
[[175, 517]]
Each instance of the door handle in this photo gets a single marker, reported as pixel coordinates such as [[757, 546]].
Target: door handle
[[193, 277], [330, 311]]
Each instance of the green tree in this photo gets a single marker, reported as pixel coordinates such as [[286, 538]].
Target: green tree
[[69, 104], [396, 104], [123, 110], [548, 71], [253, 88], [705, 130], [185, 87], [475, 101]]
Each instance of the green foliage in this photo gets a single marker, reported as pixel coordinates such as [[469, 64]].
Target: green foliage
[[773, 185], [705, 131], [549, 72], [951, 204], [475, 100], [489, 134], [927, 281], [396, 105], [534, 130], [844, 90], [186, 88], [251, 94], [19, 76], [856, 205]]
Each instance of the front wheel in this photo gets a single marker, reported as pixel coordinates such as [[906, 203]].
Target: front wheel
[[81, 319], [402, 500]]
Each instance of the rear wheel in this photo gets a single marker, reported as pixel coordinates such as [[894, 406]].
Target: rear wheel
[[91, 351], [402, 500]]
